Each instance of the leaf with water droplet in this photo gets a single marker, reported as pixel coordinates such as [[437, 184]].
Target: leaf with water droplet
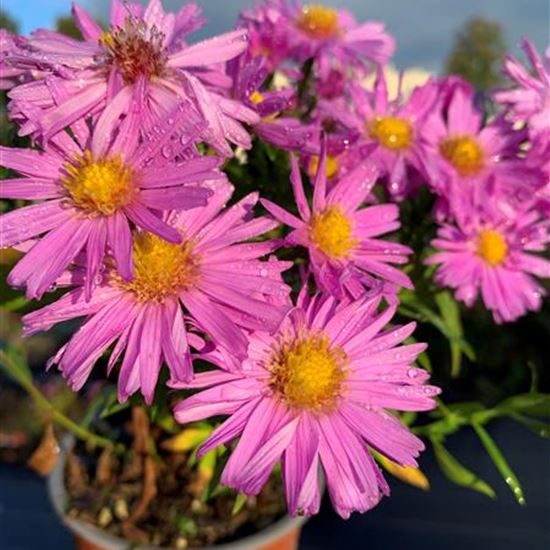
[[542, 429], [500, 462]]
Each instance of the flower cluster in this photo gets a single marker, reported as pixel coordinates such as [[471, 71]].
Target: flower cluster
[[133, 133]]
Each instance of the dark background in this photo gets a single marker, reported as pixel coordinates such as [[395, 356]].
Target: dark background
[[448, 517]]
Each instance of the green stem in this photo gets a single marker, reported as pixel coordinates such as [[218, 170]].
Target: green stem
[[15, 304], [42, 402], [407, 312]]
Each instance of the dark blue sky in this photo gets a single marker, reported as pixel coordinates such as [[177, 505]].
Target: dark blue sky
[[424, 28]]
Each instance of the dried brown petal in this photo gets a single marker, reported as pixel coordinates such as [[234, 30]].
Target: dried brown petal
[[104, 471], [45, 457]]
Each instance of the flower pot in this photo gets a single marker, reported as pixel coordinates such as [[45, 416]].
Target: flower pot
[[284, 534]]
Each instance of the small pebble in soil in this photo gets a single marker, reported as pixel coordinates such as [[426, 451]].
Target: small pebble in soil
[[197, 506], [121, 509], [104, 517]]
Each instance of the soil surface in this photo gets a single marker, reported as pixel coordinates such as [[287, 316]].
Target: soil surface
[[152, 496]]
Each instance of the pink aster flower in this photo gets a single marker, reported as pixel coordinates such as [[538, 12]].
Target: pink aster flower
[[248, 74], [339, 234], [313, 30], [538, 156], [490, 253], [144, 315], [91, 188], [343, 155], [332, 79], [314, 395], [395, 128], [530, 100], [142, 48], [268, 37], [465, 155], [10, 76]]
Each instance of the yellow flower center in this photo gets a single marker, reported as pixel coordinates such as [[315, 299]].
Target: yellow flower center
[[331, 232], [135, 51], [318, 22], [99, 187], [492, 247], [391, 132], [307, 373], [162, 269], [464, 153], [256, 97], [331, 168]]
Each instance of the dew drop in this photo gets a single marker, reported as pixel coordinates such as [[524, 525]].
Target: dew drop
[[167, 151]]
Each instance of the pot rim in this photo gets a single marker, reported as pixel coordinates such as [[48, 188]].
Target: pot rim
[[58, 495]]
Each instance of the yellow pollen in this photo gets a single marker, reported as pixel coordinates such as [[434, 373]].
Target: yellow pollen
[[464, 153], [162, 269], [256, 97], [331, 168], [319, 22], [391, 132], [308, 373], [331, 232], [107, 40], [99, 187], [492, 247]]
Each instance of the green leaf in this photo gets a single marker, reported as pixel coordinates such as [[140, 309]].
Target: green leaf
[[15, 304], [466, 408], [240, 501], [532, 404], [112, 406], [97, 404], [448, 322], [186, 526], [542, 429], [450, 314], [457, 473], [424, 361], [214, 486], [408, 418], [500, 462]]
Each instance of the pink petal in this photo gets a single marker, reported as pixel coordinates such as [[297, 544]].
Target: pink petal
[[47, 259], [29, 188], [301, 470], [88, 27], [215, 323], [212, 51], [297, 186], [282, 215], [25, 223], [142, 216]]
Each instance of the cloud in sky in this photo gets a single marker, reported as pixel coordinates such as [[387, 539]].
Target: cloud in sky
[[424, 28]]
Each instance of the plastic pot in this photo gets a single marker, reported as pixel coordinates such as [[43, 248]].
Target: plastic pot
[[284, 534]]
